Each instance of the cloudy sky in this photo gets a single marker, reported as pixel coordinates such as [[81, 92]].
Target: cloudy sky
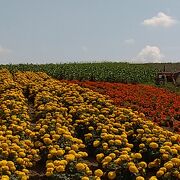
[[54, 31]]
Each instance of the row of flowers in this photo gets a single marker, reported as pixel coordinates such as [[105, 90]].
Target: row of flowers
[[76, 133], [17, 149], [62, 153], [159, 105]]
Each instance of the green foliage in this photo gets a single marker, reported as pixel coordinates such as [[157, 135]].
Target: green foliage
[[106, 71]]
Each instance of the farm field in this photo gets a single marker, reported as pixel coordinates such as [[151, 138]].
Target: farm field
[[159, 105], [51, 129], [107, 71]]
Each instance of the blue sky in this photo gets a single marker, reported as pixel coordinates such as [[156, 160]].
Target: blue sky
[[58, 31]]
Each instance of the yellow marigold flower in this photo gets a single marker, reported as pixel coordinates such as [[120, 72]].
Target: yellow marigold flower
[[63, 162], [56, 136], [153, 145], [104, 135], [101, 116], [75, 147], [110, 136], [130, 145], [12, 168], [96, 143], [5, 168], [117, 161], [167, 143], [69, 157], [113, 155], [49, 173], [163, 169], [112, 175], [50, 169], [116, 151], [98, 172], [10, 163], [111, 142], [99, 156], [84, 178], [151, 165], [53, 152], [162, 139], [5, 177], [26, 171], [24, 177], [174, 151], [153, 178], [3, 163], [159, 173], [107, 159], [89, 135], [165, 156], [104, 164], [60, 152], [140, 131], [131, 164], [104, 144], [137, 155], [143, 138], [67, 148], [5, 153], [141, 145], [83, 154], [50, 156], [142, 164], [42, 131], [124, 156], [168, 165], [60, 168], [57, 162], [47, 141], [2, 138], [139, 178], [162, 150], [4, 145], [22, 154], [91, 128], [97, 178], [118, 142], [105, 147], [80, 167], [167, 148], [178, 147], [126, 149], [50, 165], [173, 138], [176, 161], [133, 169], [20, 161]]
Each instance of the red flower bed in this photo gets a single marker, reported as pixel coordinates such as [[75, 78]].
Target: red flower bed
[[159, 105]]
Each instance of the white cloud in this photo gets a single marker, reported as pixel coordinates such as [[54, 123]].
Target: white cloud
[[4, 51], [129, 41], [150, 54], [161, 19]]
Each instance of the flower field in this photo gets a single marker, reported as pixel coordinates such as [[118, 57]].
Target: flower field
[[56, 130], [158, 104]]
